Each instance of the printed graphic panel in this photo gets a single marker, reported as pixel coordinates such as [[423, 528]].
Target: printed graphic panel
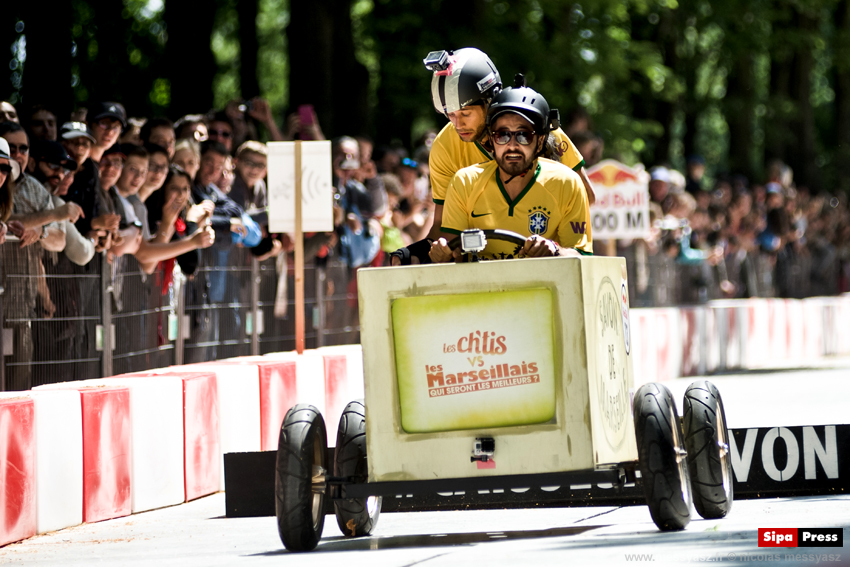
[[475, 360]]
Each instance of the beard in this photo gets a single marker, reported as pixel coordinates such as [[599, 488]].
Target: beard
[[477, 135], [514, 167]]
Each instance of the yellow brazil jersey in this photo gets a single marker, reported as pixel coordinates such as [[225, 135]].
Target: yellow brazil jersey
[[553, 205], [450, 154]]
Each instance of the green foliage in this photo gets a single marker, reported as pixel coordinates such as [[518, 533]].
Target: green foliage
[[659, 78]]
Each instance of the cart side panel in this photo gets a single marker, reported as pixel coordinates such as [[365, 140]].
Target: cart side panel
[[610, 367]]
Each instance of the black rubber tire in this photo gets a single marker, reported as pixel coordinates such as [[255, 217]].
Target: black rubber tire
[[663, 465], [707, 443], [356, 517], [302, 447]]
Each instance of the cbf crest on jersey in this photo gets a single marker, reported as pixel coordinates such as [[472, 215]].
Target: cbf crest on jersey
[[538, 220]]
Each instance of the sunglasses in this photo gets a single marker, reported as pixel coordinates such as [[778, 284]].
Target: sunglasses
[[22, 149], [5, 168], [523, 137], [54, 167], [222, 133]]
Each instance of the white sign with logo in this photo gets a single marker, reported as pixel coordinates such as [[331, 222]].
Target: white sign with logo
[[316, 187], [621, 209]]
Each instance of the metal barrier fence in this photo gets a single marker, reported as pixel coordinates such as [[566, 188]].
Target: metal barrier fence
[[65, 322]]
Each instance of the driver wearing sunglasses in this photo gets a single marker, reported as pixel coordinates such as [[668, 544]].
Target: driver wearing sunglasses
[[520, 191]]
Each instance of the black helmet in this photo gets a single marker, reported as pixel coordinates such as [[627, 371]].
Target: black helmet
[[461, 77], [529, 104]]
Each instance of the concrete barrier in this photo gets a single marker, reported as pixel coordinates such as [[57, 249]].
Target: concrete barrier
[[59, 458], [202, 447], [237, 381], [17, 469], [106, 453], [156, 410]]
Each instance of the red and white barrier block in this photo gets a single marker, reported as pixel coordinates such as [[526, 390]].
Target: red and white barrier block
[[106, 453], [201, 443], [156, 411], [59, 458], [17, 469]]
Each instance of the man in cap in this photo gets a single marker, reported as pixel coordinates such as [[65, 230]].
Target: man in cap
[[105, 121], [34, 218], [519, 191], [77, 140]]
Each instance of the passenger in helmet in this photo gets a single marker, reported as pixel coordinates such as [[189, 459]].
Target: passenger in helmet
[[520, 191]]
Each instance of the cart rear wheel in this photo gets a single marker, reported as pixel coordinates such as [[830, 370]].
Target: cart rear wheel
[[662, 457], [356, 516], [300, 485], [707, 443]]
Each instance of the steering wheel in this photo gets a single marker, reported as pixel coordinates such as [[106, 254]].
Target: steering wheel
[[494, 234], [491, 234]]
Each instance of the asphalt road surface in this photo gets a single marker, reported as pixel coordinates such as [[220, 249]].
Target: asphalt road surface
[[198, 534]]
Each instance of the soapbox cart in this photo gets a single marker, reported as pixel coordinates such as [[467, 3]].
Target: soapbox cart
[[500, 375]]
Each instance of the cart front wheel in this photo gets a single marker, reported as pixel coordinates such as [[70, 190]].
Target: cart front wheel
[[356, 516], [300, 484], [662, 457], [707, 443]]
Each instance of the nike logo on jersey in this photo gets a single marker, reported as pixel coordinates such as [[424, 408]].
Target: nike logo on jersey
[[481, 215]]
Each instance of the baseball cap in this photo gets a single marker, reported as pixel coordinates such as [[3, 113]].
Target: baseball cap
[[659, 173], [115, 149], [108, 110], [773, 187], [4, 149], [53, 153], [71, 130]]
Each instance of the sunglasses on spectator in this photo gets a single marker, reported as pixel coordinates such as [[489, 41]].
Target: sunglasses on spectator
[[157, 168], [222, 133], [5, 168], [22, 149], [523, 137], [56, 167]]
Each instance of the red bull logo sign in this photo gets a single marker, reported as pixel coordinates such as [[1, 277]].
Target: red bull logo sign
[[622, 200]]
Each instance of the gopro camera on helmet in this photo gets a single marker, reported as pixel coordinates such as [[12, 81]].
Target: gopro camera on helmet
[[437, 61]]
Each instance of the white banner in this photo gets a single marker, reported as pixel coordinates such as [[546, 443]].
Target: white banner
[[316, 187], [622, 201]]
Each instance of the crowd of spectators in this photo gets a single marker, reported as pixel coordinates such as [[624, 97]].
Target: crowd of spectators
[[98, 182], [749, 239], [102, 185]]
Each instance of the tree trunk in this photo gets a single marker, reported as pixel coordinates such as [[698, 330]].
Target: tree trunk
[[190, 63], [47, 71], [310, 43], [349, 78], [739, 108], [802, 159], [691, 107], [842, 94], [666, 107], [248, 48]]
